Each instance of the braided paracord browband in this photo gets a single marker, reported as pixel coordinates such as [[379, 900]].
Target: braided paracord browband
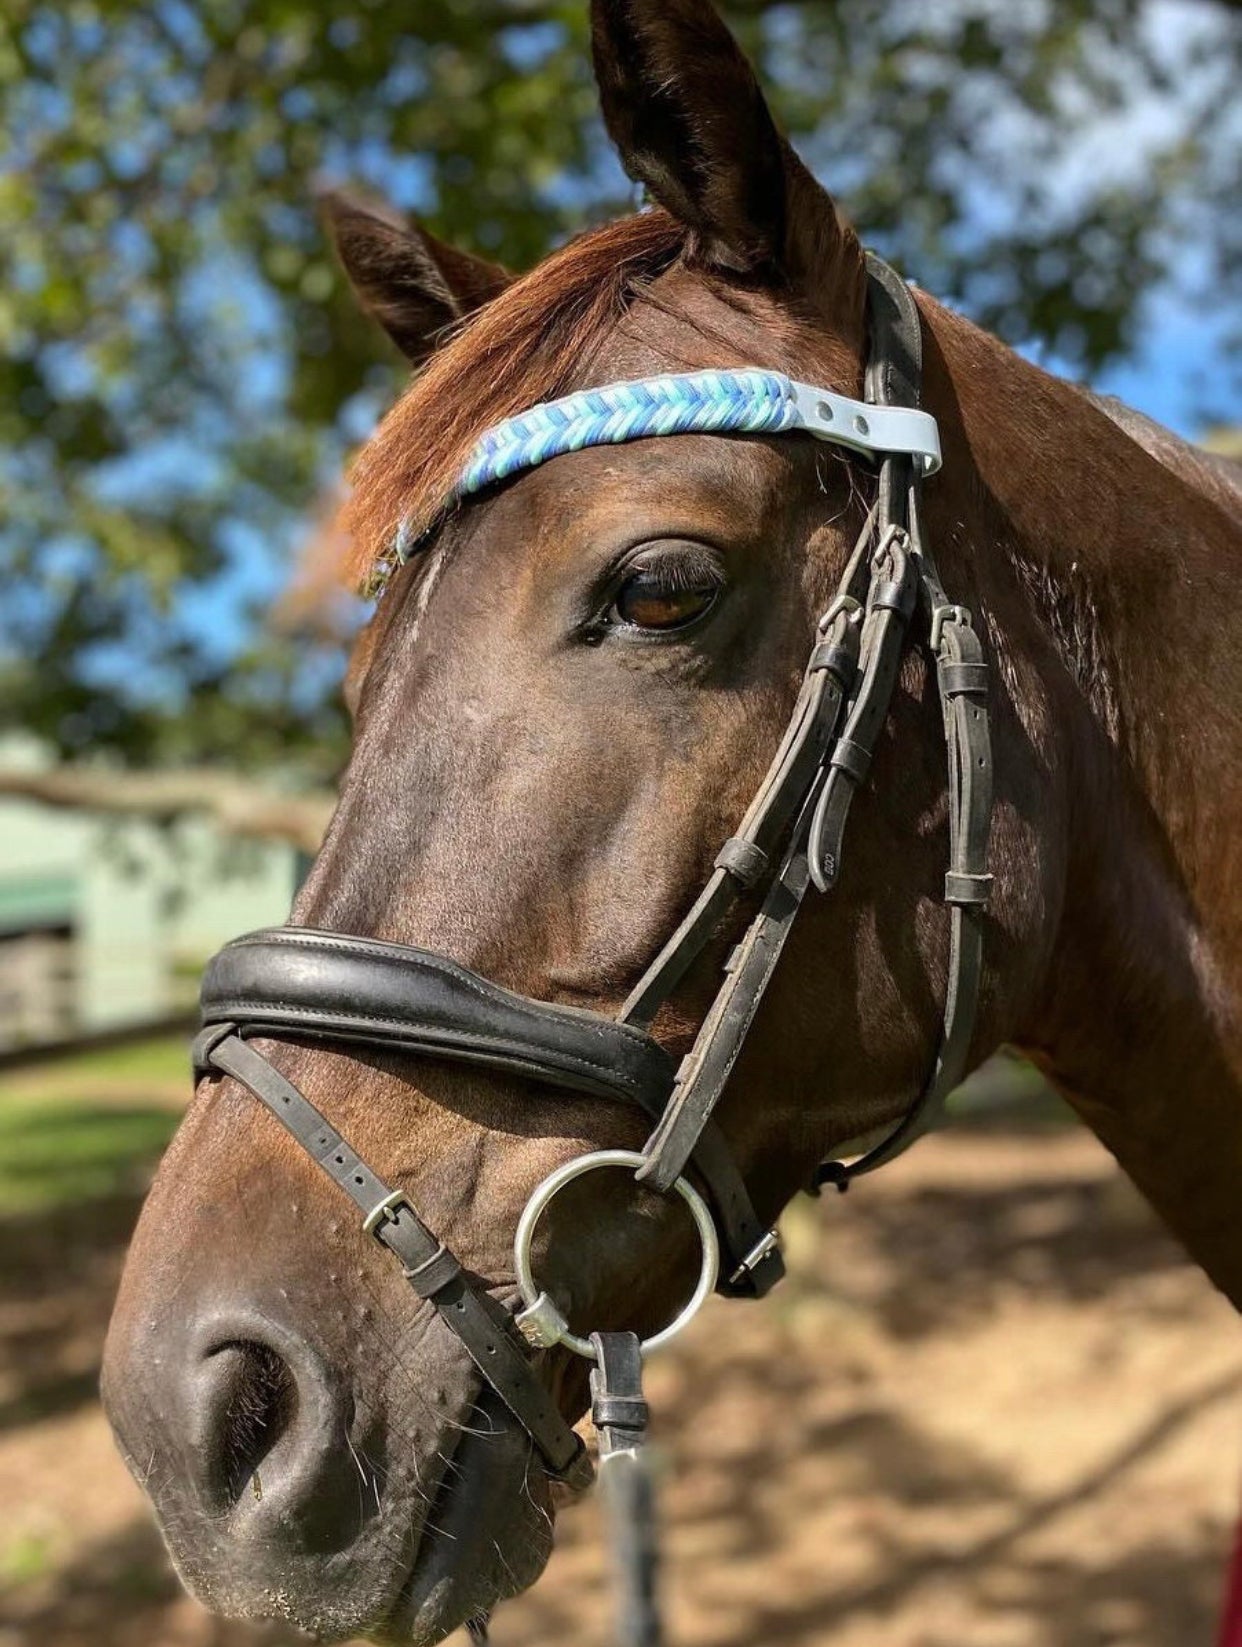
[[748, 401]]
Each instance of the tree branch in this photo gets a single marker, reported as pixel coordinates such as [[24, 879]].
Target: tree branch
[[236, 805]]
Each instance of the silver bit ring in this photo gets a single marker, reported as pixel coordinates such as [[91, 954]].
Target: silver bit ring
[[541, 1322]]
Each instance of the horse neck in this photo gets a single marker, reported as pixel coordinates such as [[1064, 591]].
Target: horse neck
[[1120, 575]]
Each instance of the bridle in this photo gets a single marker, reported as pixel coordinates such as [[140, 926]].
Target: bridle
[[347, 991], [297, 983]]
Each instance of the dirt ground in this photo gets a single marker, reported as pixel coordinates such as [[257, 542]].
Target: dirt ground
[[993, 1407]]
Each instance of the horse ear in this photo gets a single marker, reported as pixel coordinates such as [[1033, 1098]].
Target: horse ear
[[685, 111], [413, 284]]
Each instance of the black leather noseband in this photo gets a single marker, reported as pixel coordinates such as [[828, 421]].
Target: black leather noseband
[[321, 986], [390, 997], [294, 981]]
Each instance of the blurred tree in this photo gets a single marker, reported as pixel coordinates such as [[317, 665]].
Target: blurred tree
[[182, 372]]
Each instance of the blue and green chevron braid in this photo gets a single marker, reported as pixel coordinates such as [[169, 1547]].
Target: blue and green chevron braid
[[750, 402]]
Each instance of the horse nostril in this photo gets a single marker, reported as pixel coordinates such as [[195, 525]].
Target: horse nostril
[[256, 1402], [266, 1435]]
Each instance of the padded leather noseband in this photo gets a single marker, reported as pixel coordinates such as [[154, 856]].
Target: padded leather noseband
[[325, 986], [392, 997]]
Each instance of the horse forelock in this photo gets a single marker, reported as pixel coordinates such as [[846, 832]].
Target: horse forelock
[[521, 348]]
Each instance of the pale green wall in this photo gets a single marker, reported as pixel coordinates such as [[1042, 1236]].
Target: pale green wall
[[227, 886], [142, 901]]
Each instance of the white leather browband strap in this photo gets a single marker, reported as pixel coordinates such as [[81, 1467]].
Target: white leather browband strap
[[894, 431], [746, 401]]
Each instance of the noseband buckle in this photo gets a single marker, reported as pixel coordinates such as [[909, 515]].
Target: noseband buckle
[[386, 1209]]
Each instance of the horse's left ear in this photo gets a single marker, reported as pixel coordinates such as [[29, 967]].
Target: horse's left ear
[[685, 111]]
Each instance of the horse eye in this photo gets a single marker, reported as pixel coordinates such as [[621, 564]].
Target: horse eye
[[651, 599]]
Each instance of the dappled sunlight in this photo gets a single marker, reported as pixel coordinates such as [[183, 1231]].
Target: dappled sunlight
[[993, 1403]]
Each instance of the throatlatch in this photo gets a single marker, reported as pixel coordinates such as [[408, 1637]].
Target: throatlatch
[[343, 990]]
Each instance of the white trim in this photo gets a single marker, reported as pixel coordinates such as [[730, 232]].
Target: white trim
[[900, 430]]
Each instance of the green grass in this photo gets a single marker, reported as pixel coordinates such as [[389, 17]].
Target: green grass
[[26, 1558], [54, 1152], [88, 1126]]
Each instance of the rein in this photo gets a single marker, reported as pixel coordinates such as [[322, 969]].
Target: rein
[[348, 991]]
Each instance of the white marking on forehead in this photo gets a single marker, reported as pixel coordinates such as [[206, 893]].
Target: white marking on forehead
[[427, 587]]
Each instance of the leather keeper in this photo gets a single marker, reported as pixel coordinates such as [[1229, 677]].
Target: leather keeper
[[579, 1473], [837, 660], [405, 1235], [431, 1277], [851, 758], [746, 862], [967, 889], [894, 597], [959, 679], [624, 1412], [205, 1043]]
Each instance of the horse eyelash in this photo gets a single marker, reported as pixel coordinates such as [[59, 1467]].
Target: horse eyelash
[[680, 572]]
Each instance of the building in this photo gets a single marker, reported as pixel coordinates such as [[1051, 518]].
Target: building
[[107, 921]]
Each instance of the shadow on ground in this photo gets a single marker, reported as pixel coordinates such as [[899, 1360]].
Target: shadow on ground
[[121, 1593], [810, 1508], [950, 1253]]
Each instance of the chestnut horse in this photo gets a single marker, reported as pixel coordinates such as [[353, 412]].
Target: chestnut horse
[[562, 705]]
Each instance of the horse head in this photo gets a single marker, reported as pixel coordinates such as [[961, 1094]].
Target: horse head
[[572, 686]]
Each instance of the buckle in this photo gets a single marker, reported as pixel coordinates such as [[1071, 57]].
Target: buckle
[[383, 1210], [840, 604], [541, 1324], [764, 1247], [947, 614]]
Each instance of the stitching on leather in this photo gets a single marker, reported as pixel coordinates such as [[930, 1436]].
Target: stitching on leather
[[241, 1011], [370, 948], [239, 1008]]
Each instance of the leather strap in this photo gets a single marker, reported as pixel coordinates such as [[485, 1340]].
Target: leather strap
[[901, 569], [618, 1408], [894, 375], [798, 760], [851, 759], [356, 991], [389, 996], [483, 1327], [620, 1416], [703, 1073], [967, 886], [962, 678]]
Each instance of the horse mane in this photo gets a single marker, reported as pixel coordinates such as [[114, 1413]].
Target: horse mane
[[519, 349]]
